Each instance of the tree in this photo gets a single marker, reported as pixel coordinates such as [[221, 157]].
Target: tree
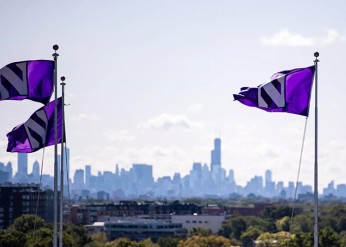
[[262, 224], [302, 223], [341, 225], [78, 233], [9, 239], [147, 243], [251, 234], [234, 227], [342, 236], [275, 213], [27, 223], [97, 240], [297, 240], [200, 231], [168, 242], [327, 237], [123, 242], [209, 241], [283, 224], [279, 239], [41, 238]]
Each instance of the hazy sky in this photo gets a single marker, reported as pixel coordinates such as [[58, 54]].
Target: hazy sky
[[152, 82]]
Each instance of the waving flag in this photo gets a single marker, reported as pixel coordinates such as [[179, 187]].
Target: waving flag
[[37, 132], [32, 80], [288, 91]]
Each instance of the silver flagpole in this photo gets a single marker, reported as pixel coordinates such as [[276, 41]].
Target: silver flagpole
[[55, 235], [316, 54], [62, 162]]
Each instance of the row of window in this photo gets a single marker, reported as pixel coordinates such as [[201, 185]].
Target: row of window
[[195, 222], [145, 226]]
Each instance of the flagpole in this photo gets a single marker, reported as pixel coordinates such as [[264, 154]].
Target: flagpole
[[55, 220], [316, 54], [62, 161]]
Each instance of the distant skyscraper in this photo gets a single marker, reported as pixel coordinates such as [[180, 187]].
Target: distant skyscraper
[[117, 170], [143, 172], [22, 165], [231, 176], [143, 175], [87, 175], [4, 175], [10, 170], [36, 170], [197, 167], [78, 179], [216, 154], [268, 178]]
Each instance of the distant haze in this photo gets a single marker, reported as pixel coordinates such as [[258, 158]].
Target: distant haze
[[152, 82]]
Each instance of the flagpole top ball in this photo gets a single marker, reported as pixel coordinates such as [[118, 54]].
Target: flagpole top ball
[[316, 54], [62, 81], [55, 47]]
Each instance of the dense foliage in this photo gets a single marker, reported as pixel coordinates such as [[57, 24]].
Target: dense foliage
[[33, 231], [274, 226]]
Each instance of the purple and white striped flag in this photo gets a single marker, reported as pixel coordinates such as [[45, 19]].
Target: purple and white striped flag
[[38, 131], [32, 80], [288, 91]]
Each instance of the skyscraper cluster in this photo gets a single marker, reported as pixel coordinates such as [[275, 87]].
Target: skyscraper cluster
[[203, 180]]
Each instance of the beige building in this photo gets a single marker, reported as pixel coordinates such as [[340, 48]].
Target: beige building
[[212, 222]]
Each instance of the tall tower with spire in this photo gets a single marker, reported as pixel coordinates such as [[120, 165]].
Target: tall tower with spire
[[216, 155]]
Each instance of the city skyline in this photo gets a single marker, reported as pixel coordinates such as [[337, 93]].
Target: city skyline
[[203, 180], [152, 82]]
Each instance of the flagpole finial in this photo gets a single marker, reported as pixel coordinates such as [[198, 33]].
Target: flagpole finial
[[316, 54], [62, 81], [55, 47]]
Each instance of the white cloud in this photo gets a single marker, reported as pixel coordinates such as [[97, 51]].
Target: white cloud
[[333, 36], [169, 121], [87, 117], [122, 135], [195, 109], [287, 38]]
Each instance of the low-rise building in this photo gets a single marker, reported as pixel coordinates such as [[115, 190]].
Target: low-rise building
[[212, 222]]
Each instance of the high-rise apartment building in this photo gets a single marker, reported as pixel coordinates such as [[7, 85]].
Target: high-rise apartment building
[[19, 199]]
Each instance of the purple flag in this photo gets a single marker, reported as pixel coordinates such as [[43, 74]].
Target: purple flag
[[37, 132], [288, 91], [32, 80]]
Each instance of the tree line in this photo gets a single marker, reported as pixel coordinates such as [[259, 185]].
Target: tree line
[[274, 226]]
